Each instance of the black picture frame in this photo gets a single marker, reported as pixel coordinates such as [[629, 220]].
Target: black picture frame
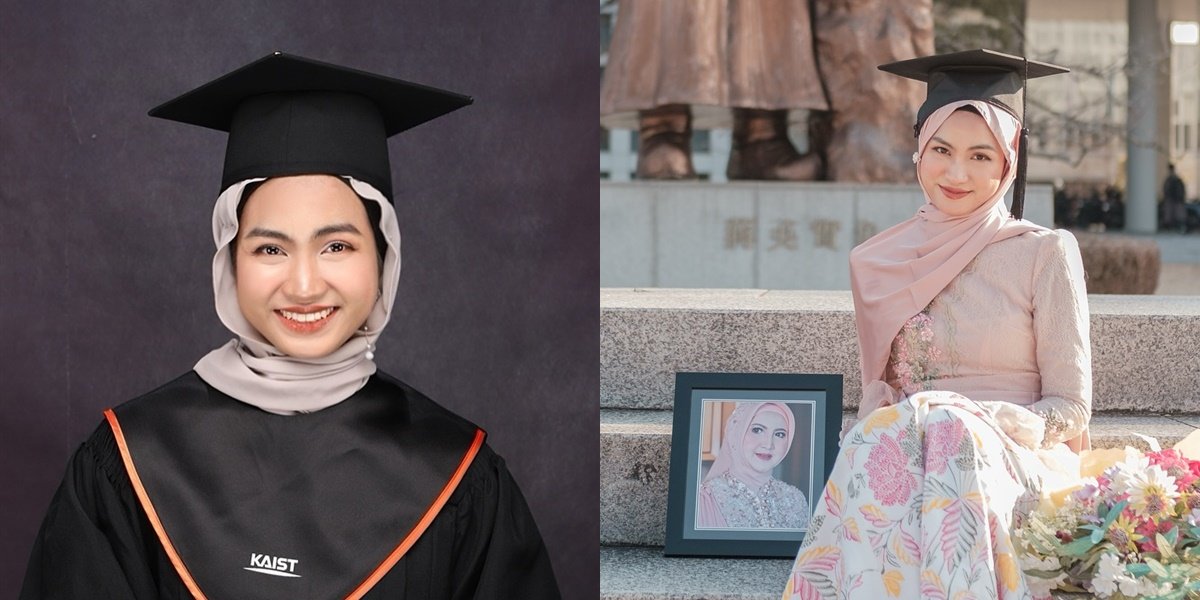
[[703, 404]]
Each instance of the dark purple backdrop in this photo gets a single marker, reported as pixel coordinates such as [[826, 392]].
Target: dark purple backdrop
[[105, 243]]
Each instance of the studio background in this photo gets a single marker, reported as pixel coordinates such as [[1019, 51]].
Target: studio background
[[106, 247]]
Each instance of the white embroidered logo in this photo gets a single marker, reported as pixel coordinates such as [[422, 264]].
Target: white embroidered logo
[[272, 565]]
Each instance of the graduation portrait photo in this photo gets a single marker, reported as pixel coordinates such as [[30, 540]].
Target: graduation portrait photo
[[301, 302]]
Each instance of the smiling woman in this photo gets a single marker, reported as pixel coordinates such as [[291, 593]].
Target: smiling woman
[[962, 166], [740, 489], [308, 275], [284, 465], [975, 357]]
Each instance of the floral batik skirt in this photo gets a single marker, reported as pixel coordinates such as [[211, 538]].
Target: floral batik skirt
[[921, 504]]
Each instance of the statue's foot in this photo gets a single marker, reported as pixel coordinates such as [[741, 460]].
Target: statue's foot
[[808, 167], [665, 155], [774, 160], [761, 149], [665, 143]]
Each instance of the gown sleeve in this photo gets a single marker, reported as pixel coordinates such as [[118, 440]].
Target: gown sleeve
[[90, 544], [1064, 350], [500, 552]]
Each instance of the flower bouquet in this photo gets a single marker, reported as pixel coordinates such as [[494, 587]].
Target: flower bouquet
[[1132, 530]]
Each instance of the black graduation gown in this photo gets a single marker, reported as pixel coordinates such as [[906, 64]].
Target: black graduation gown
[[97, 540]]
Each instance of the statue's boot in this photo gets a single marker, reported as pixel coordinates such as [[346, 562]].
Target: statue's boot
[[665, 143], [762, 150]]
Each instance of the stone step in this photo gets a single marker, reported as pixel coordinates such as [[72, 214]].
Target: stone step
[[1144, 348], [629, 573], [635, 451]]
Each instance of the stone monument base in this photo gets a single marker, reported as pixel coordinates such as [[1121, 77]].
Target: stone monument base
[[783, 236]]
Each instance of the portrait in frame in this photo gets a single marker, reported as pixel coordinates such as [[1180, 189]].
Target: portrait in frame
[[750, 452]]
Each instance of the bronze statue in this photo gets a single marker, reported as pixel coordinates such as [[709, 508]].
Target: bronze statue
[[871, 130], [676, 64]]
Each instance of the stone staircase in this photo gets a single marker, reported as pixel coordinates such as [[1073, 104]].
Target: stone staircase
[[1146, 379]]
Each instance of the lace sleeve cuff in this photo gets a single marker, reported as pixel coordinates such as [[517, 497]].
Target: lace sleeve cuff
[[1064, 419]]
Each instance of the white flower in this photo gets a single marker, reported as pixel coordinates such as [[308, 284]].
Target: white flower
[[1152, 492], [1108, 568], [1132, 587], [1122, 472]]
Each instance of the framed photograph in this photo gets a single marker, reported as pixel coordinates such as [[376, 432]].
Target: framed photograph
[[750, 452]]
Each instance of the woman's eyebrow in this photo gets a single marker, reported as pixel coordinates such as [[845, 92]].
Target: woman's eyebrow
[[322, 232], [268, 233], [336, 228], [975, 147]]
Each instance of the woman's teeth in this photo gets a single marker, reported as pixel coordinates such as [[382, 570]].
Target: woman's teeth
[[307, 317]]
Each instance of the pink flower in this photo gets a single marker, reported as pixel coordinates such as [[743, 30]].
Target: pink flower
[[1149, 527], [941, 442], [1176, 465], [913, 353], [887, 472]]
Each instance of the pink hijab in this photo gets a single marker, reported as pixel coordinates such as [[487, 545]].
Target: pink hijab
[[897, 273], [730, 458]]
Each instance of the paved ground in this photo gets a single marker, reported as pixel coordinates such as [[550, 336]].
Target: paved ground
[[1178, 279], [1178, 248], [1181, 264]]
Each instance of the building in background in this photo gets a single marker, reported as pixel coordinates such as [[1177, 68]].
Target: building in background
[[1082, 135]]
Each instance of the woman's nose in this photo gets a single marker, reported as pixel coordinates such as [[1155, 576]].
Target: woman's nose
[[304, 283], [956, 172]]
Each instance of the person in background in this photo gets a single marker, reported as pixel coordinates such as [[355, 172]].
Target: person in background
[[1174, 196]]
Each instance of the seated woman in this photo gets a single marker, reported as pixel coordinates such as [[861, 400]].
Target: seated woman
[[976, 363], [740, 489], [284, 465]]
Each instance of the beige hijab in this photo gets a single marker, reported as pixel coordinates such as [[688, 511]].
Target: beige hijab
[[897, 273], [252, 370]]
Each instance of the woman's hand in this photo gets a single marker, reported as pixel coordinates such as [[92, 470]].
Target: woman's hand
[[1024, 426], [877, 394]]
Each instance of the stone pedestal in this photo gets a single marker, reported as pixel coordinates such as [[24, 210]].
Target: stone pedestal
[[751, 235]]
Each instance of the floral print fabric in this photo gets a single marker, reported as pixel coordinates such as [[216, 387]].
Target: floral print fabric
[[914, 355], [925, 494], [919, 505]]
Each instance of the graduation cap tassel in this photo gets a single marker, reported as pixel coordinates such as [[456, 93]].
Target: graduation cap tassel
[[1018, 201]]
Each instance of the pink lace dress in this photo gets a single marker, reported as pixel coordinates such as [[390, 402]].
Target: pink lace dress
[[925, 491]]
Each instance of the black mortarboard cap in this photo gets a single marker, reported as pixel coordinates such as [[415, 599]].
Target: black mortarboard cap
[[986, 75], [993, 77], [288, 115]]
